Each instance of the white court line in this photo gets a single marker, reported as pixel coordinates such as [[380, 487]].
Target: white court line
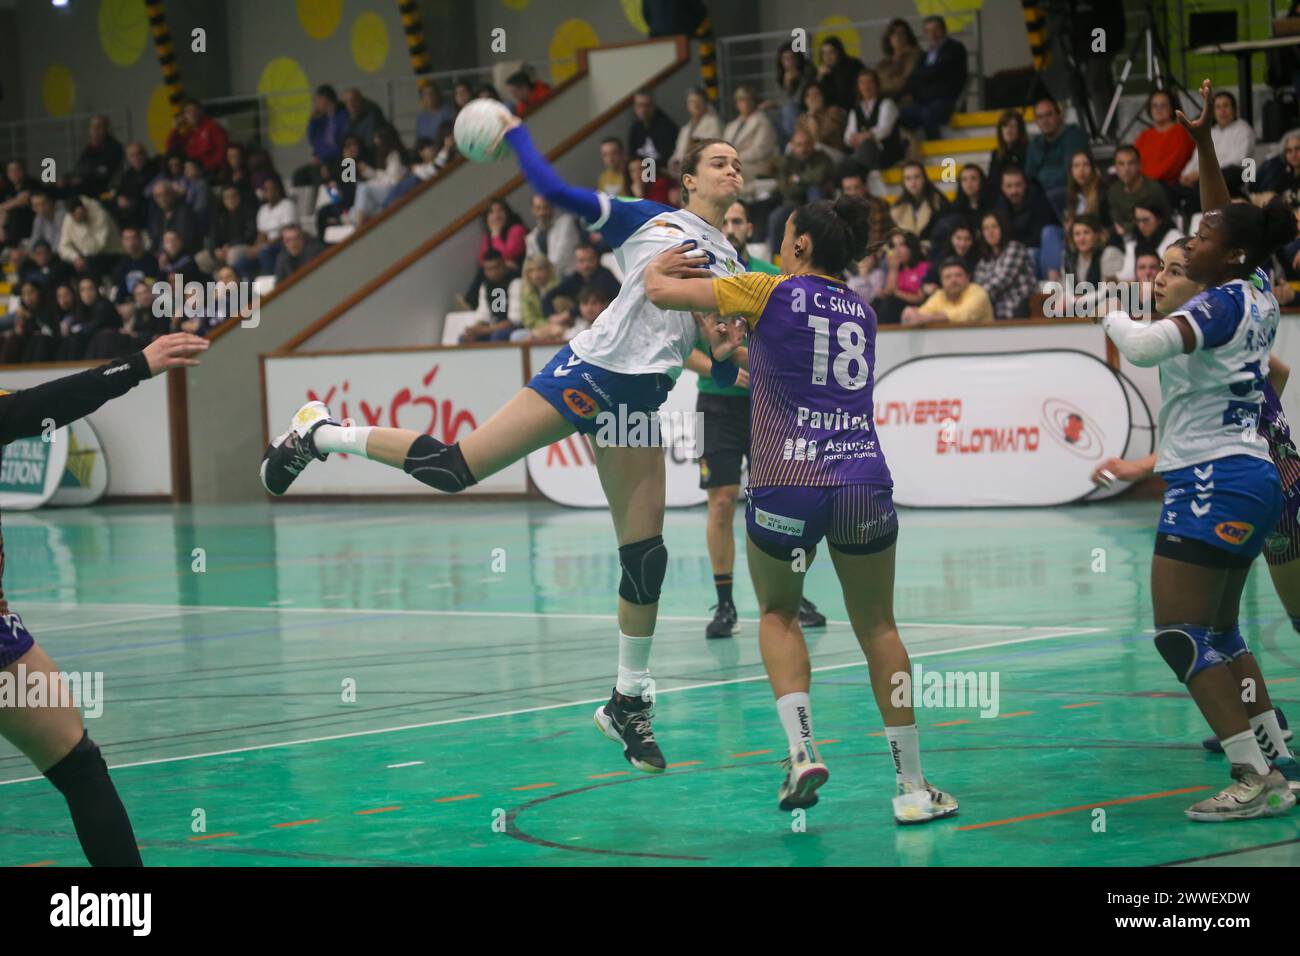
[[1059, 632], [396, 612], [122, 620], [409, 763]]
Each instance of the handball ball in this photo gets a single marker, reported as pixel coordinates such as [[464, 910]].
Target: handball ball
[[479, 126]]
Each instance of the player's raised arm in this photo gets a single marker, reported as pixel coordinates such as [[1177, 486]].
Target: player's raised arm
[[1214, 188], [545, 180], [25, 413]]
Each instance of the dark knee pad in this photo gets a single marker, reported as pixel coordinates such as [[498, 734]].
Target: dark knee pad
[[1229, 642], [98, 816], [1188, 649], [644, 565], [438, 465]]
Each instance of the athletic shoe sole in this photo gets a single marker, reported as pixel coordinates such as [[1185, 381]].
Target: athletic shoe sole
[[805, 789], [1262, 809], [935, 813], [605, 725]]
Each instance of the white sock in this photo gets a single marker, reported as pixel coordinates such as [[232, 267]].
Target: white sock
[[795, 711], [1244, 748], [348, 439], [1268, 733], [633, 664], [905, 747]]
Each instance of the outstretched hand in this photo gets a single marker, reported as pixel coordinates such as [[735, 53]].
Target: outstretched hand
[[723, 335], [1200, 128], [173, 351]]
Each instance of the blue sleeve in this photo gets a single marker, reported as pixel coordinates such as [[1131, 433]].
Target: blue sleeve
[[545, 180], [619, 218], [1215, 315]]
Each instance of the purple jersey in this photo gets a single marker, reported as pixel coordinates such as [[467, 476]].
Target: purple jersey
[[812, 356], [1273, 426]]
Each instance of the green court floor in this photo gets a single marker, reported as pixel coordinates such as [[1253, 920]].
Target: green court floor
[[413, 684]]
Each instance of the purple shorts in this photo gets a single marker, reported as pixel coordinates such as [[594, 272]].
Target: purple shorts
[[855, 519], [15, 639]]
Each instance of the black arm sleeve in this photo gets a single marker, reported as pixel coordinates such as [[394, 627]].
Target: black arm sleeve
[[23, 413]]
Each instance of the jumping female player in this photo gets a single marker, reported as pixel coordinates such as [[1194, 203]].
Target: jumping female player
[[53, 737], [815, 471], [1173, 289], [626, 361], [1223, 494]]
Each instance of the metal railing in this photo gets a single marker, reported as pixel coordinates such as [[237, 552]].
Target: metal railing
[[751, 58], [62, 139]]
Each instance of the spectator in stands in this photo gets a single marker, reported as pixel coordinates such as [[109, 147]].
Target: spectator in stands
[[555, 236], [1281, 174], [374, 183], [1033, 222], [446, 147], [198, 136], [805, 173], [539, 278], [461, 93], [198, 194], [130, 194], [486, 91], [433, 112], [753, 136], [1085, 193], [853, 183], [16, 202], [901, 55], [869, 276], [1234, 143], [905, 270], [1130, 188], [1092, 261], [920, 205], [89, 239], [325, 131], [170, 212], [65, 309], [1165, 148], [959, 245], [134, 265], [261, 168], [296, 250], [793, 74], [971, 201], [838, 74], [500, 298], [139, 325], [504, 232], [91, 314], [172, 174], [613, 180], [823, 121], [872, 135], [273, 215], [958, 300], [228, 301], [174, 258], [1006, 268], [739, 229], [47, 219], [1154, 232], [233, 230], [336, 194], [702, 124], [525, 91], [100, 161], [1048, 158], [44, 267], [1146, 267], [937, 83], [561, 301], [365, 118], [652, 135], [1012, 149], [35, 335], [422, 170]]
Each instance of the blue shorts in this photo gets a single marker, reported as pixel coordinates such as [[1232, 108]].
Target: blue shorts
[[581, 391], [855, 519], [15, 639], [1220, 513]]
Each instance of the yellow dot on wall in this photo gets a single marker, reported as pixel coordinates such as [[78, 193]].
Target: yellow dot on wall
[[320, 18], [288, 100], [956, 13], [123, 30], [569, 37], [632, 10], [58, 90], [836, 26], [369, 41], [159, 117]]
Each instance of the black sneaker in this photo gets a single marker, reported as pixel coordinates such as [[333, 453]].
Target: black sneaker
[[1212, 744], [293, 451], [724, 623], [626, 720], [809, 616]]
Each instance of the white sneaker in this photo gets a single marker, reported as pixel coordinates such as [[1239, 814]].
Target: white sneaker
[[1253, 795], [288, 455], [920, 804], [805, 773]]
